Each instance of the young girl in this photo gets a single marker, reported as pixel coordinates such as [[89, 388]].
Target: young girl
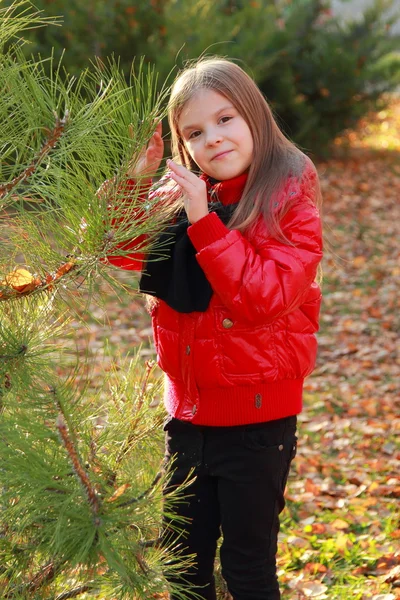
[[234, 320]]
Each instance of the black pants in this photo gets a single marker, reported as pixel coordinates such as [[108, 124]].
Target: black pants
[[240, 475]]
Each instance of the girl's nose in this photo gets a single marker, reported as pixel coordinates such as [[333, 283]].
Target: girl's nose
[[213, 137]]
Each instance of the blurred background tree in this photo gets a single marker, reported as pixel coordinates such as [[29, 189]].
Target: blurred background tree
[[101, 28], [320, 73]]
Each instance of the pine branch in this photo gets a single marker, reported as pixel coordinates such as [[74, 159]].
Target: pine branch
[[20, 352], [151, 543], [78, 468], [131, 437], [50, 143], [62, 231], [21, 16], [33, 284], [75, 592], [45, 575], [143, 494], [142, 563]]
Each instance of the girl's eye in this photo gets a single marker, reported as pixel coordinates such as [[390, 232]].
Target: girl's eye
[[194, 134], [225, 119]]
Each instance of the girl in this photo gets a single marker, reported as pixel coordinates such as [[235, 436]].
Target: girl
[[235, 315]]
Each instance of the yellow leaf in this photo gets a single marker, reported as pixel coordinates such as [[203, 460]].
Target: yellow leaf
[[339, 524], [342, 542], [18, 277], [20, 280]]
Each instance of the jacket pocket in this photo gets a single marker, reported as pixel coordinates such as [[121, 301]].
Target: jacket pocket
[[245, 350], [274, 456]]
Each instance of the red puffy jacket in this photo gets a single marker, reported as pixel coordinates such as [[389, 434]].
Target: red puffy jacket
[[245, 358]]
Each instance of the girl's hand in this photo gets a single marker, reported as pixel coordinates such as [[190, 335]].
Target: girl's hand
[[194, 189], [150, 158]]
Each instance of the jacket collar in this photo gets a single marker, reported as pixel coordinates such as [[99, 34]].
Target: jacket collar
[[227, 192]]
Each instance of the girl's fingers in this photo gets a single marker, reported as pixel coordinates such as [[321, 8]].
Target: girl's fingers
[[179, 180], [183, 179], [159, 128], [181, 171], [175, 167]]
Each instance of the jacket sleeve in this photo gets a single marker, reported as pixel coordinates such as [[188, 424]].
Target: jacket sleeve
[[263, 281], [134, 256]]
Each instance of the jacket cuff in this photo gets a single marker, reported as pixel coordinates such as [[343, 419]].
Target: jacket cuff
[[207, 230]]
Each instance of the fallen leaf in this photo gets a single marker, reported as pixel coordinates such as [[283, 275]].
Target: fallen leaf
[[339, 524], [312, 589]]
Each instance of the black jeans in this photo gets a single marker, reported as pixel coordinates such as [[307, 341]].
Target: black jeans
[[240, 477]]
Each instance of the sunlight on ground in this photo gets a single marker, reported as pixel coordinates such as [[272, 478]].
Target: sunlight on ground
[[376, 131]]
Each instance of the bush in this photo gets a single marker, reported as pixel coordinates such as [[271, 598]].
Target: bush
[[327, 75], [125, 28], [320, 75]]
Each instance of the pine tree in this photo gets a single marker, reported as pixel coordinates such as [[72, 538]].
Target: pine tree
[[80, 488]]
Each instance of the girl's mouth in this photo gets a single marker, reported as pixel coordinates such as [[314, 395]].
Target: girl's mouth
[[221, 155]]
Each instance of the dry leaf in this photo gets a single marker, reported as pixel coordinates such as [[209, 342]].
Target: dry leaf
[[313, 589], [20, 280], [118, 492], [339, 524]]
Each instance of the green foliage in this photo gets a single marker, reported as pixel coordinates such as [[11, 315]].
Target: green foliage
[[80, 473], [235, 29], [61, 137], [78, 486], [328, 74], [319, 74], [99, 28]]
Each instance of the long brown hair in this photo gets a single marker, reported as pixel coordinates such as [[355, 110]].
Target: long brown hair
[[275, 157]]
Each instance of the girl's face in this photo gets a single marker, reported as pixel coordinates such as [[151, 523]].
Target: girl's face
[[216, 136]]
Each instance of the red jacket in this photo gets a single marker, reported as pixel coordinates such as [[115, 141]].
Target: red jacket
[[244, 359]]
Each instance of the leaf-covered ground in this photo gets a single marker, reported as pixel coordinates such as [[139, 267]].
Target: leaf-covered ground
[[341, 537], [340, 534]]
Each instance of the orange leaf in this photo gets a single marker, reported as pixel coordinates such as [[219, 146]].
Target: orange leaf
[[396, 534], [318, 528], [315, 568], [359, 261], [360, 570], [311, 487], [63, 269], [118, 492]]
